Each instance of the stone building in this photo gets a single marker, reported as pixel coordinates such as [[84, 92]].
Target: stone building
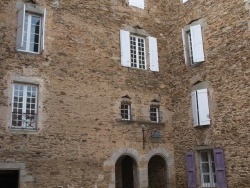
[[124, 93]]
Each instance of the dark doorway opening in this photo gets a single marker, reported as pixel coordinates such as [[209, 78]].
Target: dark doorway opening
[[9, 178], [126, 172], [157, 172]]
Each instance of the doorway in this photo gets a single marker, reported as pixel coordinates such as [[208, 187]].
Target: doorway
[[157, 172], [126, 172], [9, 178]]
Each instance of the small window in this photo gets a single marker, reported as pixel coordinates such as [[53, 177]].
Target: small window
[[155, 113], [193, 44], [207, 168], [24, 106], [125, 111], [184, 1], [137, 3], [30, 29], [134, 48], [200, 107]]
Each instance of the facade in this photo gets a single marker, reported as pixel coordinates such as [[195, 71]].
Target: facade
[[124, 94]]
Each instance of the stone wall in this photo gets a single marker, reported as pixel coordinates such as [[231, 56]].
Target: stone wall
[[82, 85], [226, 69]]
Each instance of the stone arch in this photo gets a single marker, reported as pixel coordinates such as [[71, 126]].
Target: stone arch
[[169, 161], [110, 164]]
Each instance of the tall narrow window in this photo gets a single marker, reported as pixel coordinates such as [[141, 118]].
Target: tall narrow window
[[24, 106], [31, 28], [125, 111], [155, 113], [208, 177], [32, 33], [137, 47]]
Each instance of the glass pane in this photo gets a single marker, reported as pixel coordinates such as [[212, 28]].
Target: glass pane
[[35, 20], [205, 167], [26, 18], [206, 178], [35, 29], [204, 156]]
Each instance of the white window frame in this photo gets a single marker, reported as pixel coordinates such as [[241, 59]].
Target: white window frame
[[184, 1], [155, 114], [30, 10], [211, 171], [127, 108], [26, 123], [138, 59], [193, 43]]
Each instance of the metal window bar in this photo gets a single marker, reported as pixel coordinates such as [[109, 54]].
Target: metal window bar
[[24, 121]]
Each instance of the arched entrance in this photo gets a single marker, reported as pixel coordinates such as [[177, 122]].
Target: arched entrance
[[126, 172], [157, 172]]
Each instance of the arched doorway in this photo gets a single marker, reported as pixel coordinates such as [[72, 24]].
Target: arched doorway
[[157, 172], [126, 172]]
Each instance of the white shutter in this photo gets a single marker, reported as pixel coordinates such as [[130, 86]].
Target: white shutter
[[184, 45], [203, 107], [185, 1], [194, 108], [43, 34], [153, 54], [125, 48], [137, 3], [141, 4], [197, 43], [20, 27]]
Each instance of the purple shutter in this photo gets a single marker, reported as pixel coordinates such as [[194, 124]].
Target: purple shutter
[[191, 173], [220, 169]]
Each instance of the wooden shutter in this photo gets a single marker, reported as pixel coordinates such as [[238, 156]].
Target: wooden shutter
[[203, 107], [43, 34], [125, 48], [197, 43], [220, 169], [194, 108], [153, 54], [20, 27], [184, 46], [191, 172]]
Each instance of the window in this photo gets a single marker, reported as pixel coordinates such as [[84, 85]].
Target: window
[[200, 107], [134, 49], [137, 3], [138, 56], [24, 106], [193, 43], [207, 168], [212, 169], [184, 1], [125, 111], [31, 28], [155, 113]]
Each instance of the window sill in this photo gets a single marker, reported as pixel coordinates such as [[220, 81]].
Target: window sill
[[23, 51], [202, 126], [140, 122], [23, 131]]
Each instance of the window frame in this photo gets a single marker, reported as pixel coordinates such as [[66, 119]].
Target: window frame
[[128, 109], [30, 10], [24, 107], [156, 113], [188, 40], [137, 63], [211, 168]]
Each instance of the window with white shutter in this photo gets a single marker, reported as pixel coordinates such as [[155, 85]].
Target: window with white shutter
[[200, 107], [137, 3], [193, 43], [30, 28], [134, 48]]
